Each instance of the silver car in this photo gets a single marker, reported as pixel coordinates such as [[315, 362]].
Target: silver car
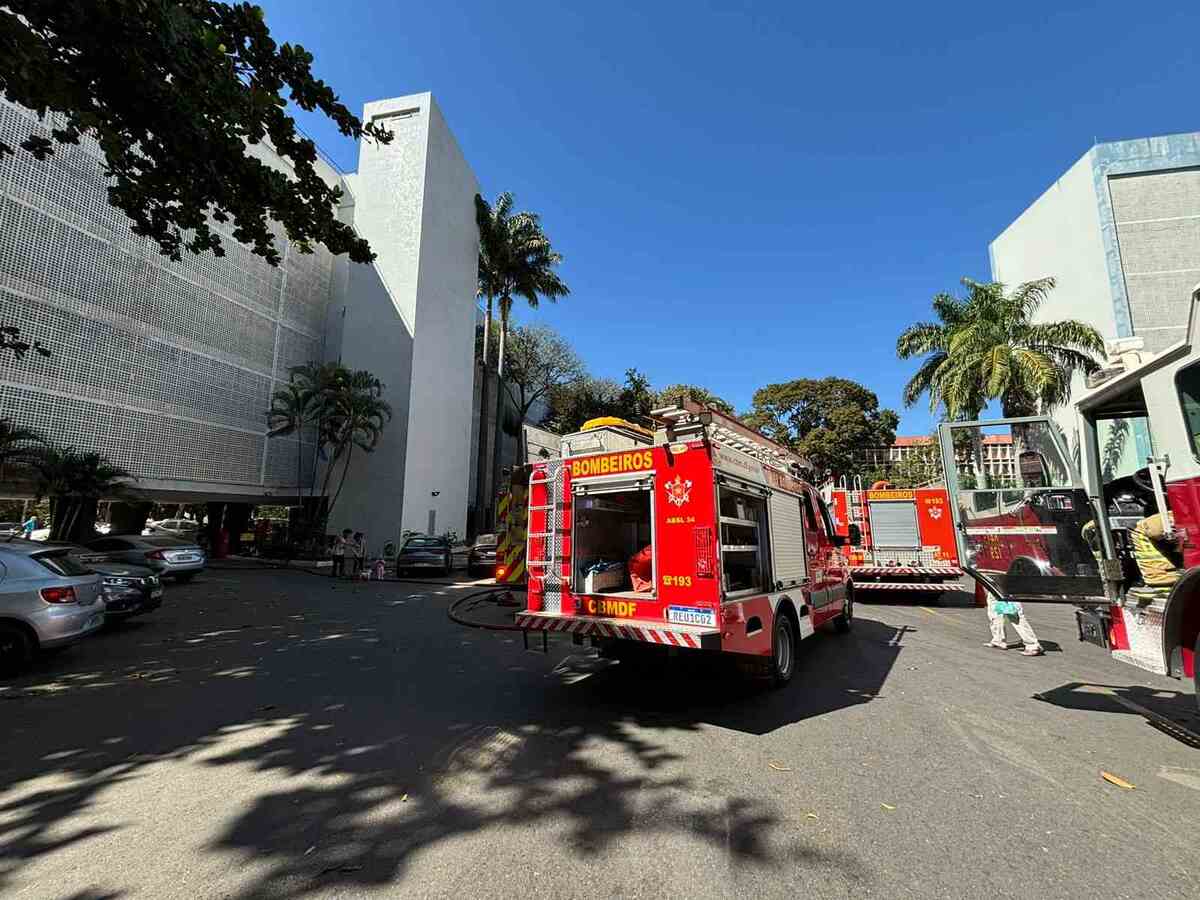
[[168, 556], [47, 599]]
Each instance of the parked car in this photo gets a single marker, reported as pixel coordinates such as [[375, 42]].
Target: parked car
[[127, 590], [9, 529], [168, 556], [482, 556], [424, 553], [181, 528], [48, 599]]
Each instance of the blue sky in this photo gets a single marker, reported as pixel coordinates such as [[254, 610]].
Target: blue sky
[[753, 192]]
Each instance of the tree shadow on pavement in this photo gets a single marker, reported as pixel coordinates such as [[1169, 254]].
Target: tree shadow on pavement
[[390, 732]]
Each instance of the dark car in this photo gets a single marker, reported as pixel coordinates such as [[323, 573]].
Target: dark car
[[429, 553], [482, 557], [169, 557], [127, 590]]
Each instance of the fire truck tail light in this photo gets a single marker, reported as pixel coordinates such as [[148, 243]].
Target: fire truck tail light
[[501, 571]]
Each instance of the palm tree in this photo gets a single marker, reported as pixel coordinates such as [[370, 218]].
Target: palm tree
[[75, 480], [516, 259], [356, 414], [300, 405], [986, 346]]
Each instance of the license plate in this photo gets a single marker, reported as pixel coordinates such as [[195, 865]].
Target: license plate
[[186, 558], [692, 615]]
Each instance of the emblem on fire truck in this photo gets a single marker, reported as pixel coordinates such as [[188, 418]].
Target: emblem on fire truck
[[678, 491], [935, 512]]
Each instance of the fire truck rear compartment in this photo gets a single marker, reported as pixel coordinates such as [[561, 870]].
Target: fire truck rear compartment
[[610, 527]]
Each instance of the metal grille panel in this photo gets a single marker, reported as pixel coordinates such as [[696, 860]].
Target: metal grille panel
[[166, 367]]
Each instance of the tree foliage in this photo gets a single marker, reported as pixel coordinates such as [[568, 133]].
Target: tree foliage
[[986, 346], [539, 361], [674, 393], [173, 91], [516, 259], [12, 342], [823, 419], [75, 480]]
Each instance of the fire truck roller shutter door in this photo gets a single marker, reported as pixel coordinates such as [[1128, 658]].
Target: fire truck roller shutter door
[[894, 524], [787, 540]]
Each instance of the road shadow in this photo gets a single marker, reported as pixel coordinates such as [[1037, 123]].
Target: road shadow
[[395, 732], [1172, 712]]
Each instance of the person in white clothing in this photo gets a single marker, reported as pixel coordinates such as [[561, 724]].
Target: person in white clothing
[[998, 615]]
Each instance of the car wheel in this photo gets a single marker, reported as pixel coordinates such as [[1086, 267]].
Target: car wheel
[[783, 650], [15, 649], [843, 623], [185, 577]]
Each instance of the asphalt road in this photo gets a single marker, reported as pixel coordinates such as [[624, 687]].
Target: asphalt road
[[275, 734]]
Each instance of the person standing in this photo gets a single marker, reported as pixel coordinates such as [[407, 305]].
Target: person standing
[[341, 544], [358, 547], [1002, 611], [29, 528]]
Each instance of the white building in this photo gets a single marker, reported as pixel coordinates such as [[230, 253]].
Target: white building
[[1120, 232], [168, 368]]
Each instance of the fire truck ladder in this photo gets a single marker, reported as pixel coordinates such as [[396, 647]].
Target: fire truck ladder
[[691, 417], [546, 516]]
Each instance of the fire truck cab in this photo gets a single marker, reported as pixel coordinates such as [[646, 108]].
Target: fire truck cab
[[1046, 533], [702, 535]]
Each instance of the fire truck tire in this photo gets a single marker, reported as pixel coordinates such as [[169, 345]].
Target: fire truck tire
[[1196, 669], [843, 623], [783, 650]]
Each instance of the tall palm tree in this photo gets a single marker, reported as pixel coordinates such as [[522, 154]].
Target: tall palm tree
[[516, 259], [356, 414], [986, 346]]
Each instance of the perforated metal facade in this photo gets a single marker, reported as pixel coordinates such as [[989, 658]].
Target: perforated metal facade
[[165, 367]]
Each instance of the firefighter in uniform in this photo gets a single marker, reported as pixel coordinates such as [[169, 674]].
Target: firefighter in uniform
[[1152, 552]]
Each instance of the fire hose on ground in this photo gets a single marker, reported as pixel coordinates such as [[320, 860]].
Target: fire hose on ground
[[500, 596]]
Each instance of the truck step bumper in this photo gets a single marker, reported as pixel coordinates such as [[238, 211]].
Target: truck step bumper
[[667, 634]]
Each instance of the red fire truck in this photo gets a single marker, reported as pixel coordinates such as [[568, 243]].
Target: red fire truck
[[703, 537], [897, 540], [1045, 534]]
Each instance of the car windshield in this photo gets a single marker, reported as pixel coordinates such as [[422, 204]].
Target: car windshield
[[60, 562], [485, 540], [422, 544]]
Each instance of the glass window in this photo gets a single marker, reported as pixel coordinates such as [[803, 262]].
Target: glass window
[[61, 563], [810, 518], [743, 541], [825, 518], [1187, 382], [1036, 460]]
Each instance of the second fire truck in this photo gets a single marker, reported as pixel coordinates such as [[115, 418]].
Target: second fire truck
[[898, 539], [704, 535]]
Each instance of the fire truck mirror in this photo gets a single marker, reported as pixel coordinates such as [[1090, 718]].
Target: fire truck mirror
[[854, 535]]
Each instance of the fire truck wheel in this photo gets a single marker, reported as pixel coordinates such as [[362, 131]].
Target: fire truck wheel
[[1196, 669], [843, 622], [783, 650]]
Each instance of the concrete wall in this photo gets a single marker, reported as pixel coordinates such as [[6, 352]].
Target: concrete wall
[[1059, 236], [414, 202]]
